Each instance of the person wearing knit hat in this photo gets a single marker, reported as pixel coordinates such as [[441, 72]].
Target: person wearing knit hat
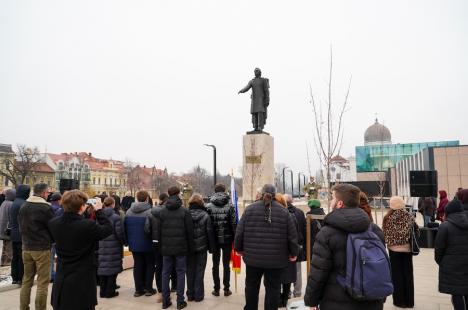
[[463, 196], [397, 225], [314, 203], [451, 253], [315, 225]]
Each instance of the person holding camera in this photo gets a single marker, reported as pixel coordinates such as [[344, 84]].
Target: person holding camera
[[75, 239]]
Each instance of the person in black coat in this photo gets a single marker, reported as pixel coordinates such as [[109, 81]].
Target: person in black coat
[[451, 254], [17, 269], [75, 237], [266, 237], [289, 273], [301, 240], [127, 201], [223, 217], [110, 252], [203, 241], [176, 237], [329, 253]]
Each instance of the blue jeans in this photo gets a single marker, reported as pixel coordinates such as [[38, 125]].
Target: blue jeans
[[52, 261], [427, 220], [180, 263]]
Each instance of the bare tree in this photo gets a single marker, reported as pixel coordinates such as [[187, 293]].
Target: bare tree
[[328, 133], [22, 165], [132, 176]]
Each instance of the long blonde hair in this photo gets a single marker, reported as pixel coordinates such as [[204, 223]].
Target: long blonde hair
[[281, 199]]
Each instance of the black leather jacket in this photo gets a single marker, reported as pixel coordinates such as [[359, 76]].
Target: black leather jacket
[[223, 217]]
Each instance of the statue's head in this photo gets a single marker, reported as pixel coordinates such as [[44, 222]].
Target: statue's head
[[258, 72]]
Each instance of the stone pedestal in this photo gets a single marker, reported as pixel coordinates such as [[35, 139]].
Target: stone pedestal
[[258, 164]]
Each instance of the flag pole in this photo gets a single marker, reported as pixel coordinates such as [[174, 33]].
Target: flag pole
[[235, 271]]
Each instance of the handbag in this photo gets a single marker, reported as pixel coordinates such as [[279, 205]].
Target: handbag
[[414, 239]]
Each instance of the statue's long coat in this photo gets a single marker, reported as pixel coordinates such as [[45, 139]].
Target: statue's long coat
[[260, 94]]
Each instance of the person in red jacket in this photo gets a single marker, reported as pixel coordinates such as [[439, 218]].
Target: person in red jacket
[[442, 203]]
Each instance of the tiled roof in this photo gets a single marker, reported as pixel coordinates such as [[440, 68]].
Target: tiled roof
[[43, 168], [87, 158]]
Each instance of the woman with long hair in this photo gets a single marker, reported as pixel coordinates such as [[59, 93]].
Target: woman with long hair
[[364, 205], [397, 225], [288, 275], [110, 252]]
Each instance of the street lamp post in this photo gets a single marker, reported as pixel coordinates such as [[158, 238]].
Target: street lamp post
[[299, 181], [284, 183], [292, 183], [214, 163]]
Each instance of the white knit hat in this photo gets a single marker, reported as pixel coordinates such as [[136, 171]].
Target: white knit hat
[[397, 203]]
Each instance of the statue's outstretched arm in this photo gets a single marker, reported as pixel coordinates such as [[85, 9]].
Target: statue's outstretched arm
[[243, 90]]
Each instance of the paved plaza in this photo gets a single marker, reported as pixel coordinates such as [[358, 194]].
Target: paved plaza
[[425, 273]]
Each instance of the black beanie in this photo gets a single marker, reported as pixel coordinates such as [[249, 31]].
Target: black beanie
[[453, 206]]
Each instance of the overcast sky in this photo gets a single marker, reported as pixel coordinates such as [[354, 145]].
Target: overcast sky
[[154, 80]]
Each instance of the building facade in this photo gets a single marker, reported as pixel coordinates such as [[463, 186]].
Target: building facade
[[6, 155], [450, 162], [95, 175]]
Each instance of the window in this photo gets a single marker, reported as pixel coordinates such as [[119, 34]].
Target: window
[[99, 181], [94, 181], [105, 181], [110, 181]]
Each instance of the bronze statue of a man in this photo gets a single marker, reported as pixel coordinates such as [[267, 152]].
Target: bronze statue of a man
[[260, 100]]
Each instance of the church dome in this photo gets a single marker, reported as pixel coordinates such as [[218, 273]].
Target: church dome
[[377, 134]]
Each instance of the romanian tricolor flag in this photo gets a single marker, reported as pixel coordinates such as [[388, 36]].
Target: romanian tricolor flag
[[235, 257]]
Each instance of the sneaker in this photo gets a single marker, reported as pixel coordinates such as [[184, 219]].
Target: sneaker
[[227, 293], [181, 305], [138, 294], [158, 298], [190, 298], [117, 287], [165, 306], [150, 292], [215, 293]]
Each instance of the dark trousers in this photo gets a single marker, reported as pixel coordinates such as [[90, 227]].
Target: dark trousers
[[180, 263], [258, 120], [196, 264], [174, 279], [402, 278], [285, 291], [143, 271], [107, 285], [158, 262], [460, 302], [226, 249], [17, 268], [272, 282]]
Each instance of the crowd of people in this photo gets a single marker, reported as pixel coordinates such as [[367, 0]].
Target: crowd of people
[[77, 243]]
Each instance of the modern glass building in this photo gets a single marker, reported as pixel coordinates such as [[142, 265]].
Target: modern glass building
[[373, 157]]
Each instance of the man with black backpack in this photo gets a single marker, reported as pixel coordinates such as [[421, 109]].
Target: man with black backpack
[[347, 251]]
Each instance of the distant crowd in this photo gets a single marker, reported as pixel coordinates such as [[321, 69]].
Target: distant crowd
[[77, 243]]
